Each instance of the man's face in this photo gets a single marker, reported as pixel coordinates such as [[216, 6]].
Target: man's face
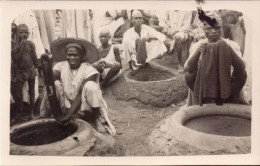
[[104, 37], [23, 33], [212, 33], [74, 57], [137, 20]]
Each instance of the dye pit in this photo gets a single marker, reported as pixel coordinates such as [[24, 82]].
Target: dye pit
[[148, 73], [42, 134], [221, 125]]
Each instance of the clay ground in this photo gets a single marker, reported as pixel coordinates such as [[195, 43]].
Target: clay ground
[[134, 123]]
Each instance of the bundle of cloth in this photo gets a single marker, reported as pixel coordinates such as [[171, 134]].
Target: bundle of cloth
[[214, 78]]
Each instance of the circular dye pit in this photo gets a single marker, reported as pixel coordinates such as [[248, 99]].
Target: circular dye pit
[[221, 125], [45, 137], [207, 129], [151, 84], [43, 134], [148, 73]]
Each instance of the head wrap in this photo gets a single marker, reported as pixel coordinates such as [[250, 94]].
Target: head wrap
[[210, 17], [214, 15]]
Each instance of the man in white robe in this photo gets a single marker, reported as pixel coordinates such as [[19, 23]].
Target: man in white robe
[[155, 46], [77, 86]]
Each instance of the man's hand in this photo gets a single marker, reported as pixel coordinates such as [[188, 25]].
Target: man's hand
[[165, 30], [201, 47], [101, 66], [64, 121]]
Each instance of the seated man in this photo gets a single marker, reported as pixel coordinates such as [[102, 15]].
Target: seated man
[[77, 85], [178, 30], [109, 66], [142, 43], [214, 70]]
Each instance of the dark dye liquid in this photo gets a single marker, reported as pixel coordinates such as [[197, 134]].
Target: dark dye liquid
[[221, 125], [42, 134]]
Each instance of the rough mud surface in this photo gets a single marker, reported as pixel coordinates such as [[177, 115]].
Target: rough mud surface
[[168, 60], [162, 138], [169, 146], [148, 73], [156, 93], [134, 123]]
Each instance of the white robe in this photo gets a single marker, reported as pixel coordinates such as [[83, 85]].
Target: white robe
[[154, 48], [68, 86]]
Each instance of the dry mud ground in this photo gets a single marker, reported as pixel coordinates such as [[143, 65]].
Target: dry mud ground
[[134, 123]]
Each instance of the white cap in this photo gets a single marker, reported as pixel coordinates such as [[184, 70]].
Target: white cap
[[137, 13]]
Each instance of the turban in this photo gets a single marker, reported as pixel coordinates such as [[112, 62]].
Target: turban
[[213, 14]]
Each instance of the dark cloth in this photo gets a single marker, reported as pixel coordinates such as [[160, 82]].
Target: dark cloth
[[17, 89], [227, 33], [24, 61], [213, 79], [17, 93], [182, 50], [141, 54]]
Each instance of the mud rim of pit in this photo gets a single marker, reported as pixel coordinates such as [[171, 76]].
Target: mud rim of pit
[[158, 67], [76, 144], [207, 141]]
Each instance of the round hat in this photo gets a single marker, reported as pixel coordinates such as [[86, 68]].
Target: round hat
[[58, 49]]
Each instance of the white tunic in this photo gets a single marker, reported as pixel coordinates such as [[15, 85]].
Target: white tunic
[[72, 82], [154, 49]]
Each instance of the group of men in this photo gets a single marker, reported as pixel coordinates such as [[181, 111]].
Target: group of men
[[214, 70]]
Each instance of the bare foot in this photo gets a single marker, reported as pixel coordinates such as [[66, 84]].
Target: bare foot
[[32, 116], [100, 128], [180, 69]]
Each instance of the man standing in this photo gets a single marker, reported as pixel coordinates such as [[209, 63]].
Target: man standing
[[109, 66], [24, 63], [214, 70], [142, 43], [77, 84]]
